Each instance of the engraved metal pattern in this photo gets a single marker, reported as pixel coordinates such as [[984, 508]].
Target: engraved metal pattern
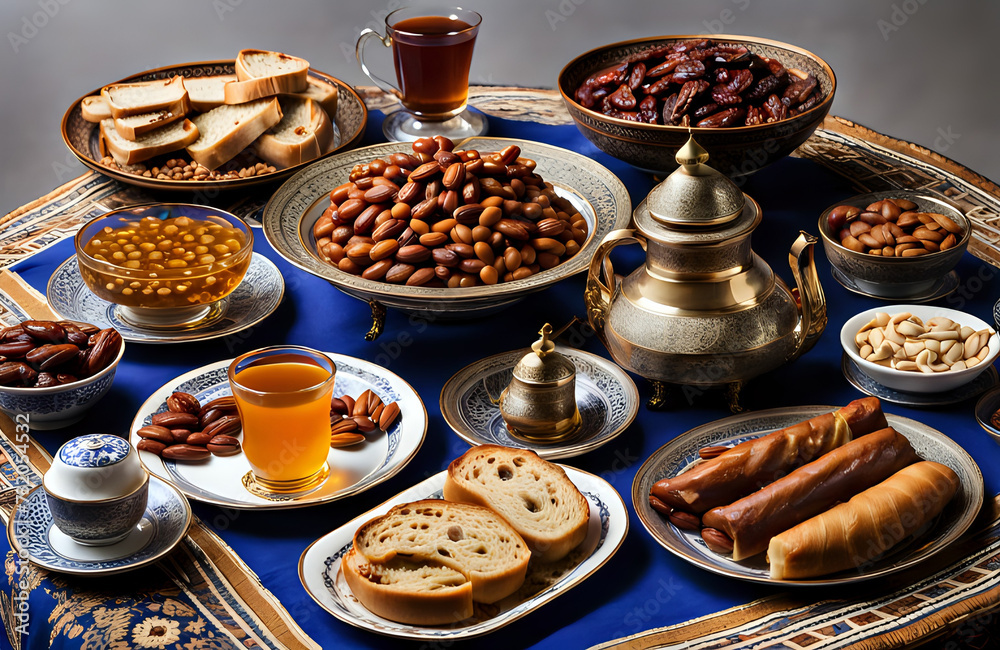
[[679, 454], [606, 397], [319, 567], [293, 210]]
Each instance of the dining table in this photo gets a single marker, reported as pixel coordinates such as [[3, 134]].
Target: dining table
[[234, 580]]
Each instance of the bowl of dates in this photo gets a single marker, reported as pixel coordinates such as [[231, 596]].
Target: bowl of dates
[[749, 101], [53, 371]]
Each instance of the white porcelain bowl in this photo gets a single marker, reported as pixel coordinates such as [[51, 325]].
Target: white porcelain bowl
[[917, 382]]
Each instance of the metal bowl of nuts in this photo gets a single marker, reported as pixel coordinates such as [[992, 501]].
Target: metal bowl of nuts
[[896, 244], [165, 265], [451, 230], [920, 348], [54, 371], [749, 101]]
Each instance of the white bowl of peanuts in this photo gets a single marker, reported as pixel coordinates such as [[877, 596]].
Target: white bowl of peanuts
[[920, 348]]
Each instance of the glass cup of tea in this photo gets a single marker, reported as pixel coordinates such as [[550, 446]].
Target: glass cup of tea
[[432, 53], [283, 395]]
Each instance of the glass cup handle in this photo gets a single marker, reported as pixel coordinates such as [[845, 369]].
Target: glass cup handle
[[359, 53]]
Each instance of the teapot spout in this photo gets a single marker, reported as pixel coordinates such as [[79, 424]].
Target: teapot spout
[[812, 301]]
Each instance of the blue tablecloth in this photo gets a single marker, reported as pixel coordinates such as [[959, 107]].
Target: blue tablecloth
[[643, 586]]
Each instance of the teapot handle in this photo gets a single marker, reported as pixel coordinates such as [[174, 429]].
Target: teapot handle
[[811, 298], [598, 294]]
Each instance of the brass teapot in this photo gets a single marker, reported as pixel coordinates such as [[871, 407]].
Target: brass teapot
[[704, 310]]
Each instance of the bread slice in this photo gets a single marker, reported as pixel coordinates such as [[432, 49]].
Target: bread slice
[[133, 126], [162, 140], [145, 97], [205, 93], [95, 109], [227, 130], [409, 592], [304, 133], [469, 539], [324, 93], [535, 496], [261, 74]]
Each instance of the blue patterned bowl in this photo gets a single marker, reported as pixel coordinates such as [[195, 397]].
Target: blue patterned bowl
[[57, 406]]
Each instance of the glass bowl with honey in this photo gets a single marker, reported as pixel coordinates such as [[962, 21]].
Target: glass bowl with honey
[[165, 265]]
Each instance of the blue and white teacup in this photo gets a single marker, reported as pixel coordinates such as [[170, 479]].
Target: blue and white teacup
[[96, 489]]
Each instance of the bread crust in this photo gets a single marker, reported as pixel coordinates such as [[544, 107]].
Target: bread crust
[[440, 607], [236, 140], [249, 87], [177, 94], [130, 156], [852, 534], [94, 109], [317, 140], [551, 530], [130, 129]]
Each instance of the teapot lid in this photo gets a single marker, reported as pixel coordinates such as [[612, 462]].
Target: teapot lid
[[695, 195], [543, 365]]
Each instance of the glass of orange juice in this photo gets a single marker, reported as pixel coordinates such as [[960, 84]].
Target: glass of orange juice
[[283, 394]]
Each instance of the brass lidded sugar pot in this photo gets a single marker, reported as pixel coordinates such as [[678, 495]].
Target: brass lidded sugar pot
[[704, 310], [540, 402]]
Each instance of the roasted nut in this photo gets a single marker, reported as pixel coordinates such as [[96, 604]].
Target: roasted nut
[[152, 446], [659, 506], [717, 541], [389, 414], [707, 453], [346, 439], [338, 406], [180, 402], [365, 425], [227, 425], [361, 405], [684, 520], [185, 452], [180, 435], [349, 401], [172, 420], [345, 425], [225, 404], [155, 432], [224, 446], [198, 438]]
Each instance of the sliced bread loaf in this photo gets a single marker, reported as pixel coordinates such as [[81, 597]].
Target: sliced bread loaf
[[469, 539], [535, 496], [205, 93], [162, 140], [227, 130], [416, 593], [304, 133], [145, 97], [261, 74], [322, 92], [94, 109], [133, 126]]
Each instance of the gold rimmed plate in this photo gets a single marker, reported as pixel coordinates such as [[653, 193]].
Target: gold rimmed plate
[[321, 575], [289, 217], [82, 137], [219, 480], [681, 454]]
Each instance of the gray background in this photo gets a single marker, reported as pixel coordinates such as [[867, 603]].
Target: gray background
[[921, 70]]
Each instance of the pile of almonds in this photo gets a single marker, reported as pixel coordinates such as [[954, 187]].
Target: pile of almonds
[[179, 169], [905, 342], [893, 228], [351, 419], [188, 430]]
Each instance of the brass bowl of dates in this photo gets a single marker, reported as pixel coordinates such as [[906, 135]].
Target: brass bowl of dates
[[446, 229], [749, 101], [895, 244], [165, 265], [52, 372]]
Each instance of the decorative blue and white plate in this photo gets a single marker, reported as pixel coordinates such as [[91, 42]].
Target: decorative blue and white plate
[[353, 469], [681, 454], [869, 386], [11, 313], [319, 566], [606, 396], [165, 522], [258, 295]]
